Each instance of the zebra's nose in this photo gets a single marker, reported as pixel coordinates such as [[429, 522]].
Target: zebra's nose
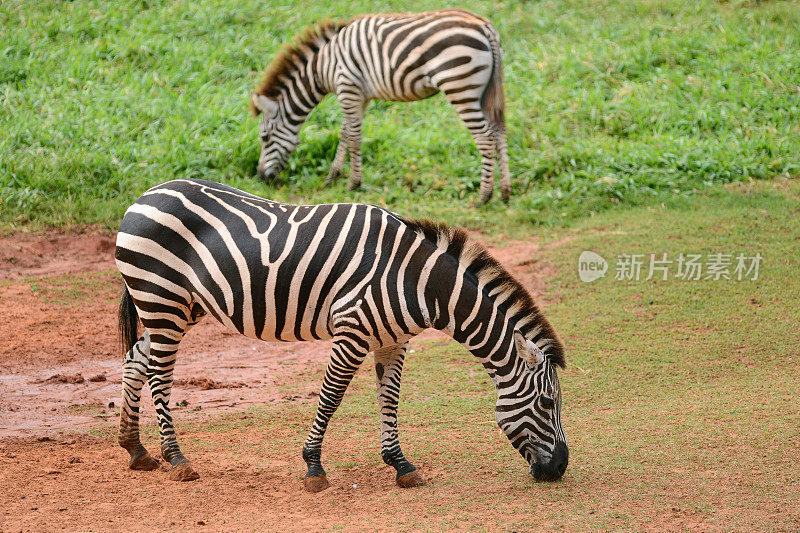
[[555, 467], [267, 172]]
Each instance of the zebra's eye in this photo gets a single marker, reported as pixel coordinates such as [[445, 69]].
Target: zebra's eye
[[265, 130], [547, 402]]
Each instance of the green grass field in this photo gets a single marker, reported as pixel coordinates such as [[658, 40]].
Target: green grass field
[[680, 397], [609, 103], [642, 127]]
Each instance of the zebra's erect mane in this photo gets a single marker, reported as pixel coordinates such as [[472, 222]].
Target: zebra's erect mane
[[294, 54], [480, 263]]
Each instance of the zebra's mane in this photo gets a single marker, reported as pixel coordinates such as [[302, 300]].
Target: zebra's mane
[[294, 54], [497, 280]]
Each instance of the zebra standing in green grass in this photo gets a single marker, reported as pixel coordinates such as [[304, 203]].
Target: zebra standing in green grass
[[402, 57], [354, 273]]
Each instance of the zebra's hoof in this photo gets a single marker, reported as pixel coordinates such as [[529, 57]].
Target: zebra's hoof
[[354, 186], [183, 472], [316, 483], [412, 479], [143, 462]]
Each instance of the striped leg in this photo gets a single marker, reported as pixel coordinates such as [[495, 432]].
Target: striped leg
[[133, 377], [388, 370], [163, 350], [346, 357], [502, 159], [469, 109], [341, 152], [353, 104], [485, 141]]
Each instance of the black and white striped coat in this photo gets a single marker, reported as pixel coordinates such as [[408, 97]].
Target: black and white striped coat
[[355, 273], [397, 57]]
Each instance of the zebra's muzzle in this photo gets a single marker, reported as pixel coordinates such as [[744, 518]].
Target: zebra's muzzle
[[554, 468], [267, 173]]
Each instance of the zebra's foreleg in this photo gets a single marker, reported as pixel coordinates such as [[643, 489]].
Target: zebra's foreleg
[[353, 104], [388, 371], [164, 346], [133, 377], [341, 153], [354, 139], [346, 357]]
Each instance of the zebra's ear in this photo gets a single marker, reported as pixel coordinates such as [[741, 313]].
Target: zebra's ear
[[264, 105], [528, 349]]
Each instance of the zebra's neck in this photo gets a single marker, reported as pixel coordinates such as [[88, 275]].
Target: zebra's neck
[[300, 94], [465, 292], [307, 84], [482, 312], [489, 336]]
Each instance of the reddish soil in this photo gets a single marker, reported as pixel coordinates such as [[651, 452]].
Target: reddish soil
[[60, 373], [24, 255]]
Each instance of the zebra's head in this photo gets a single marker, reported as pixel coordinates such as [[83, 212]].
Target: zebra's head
[[529, 412], [278, 138]]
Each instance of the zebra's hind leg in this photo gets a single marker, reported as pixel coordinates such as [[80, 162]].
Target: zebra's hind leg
[[469, 108], [163, 348], [502, 160], [346, 357], [486, 146], [133, 377], [388, 371]]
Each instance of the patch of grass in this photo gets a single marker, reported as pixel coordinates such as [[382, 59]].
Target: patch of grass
[[68, 290], [612, 103], [679, 400], [87, 409]]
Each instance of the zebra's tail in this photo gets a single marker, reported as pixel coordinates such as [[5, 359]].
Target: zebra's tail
[[128, 321], [494, 100]]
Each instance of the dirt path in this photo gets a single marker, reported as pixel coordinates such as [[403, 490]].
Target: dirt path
[[77, 483]]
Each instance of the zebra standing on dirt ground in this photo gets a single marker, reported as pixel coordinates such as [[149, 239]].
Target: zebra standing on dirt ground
[[354, 273], [401, 57]]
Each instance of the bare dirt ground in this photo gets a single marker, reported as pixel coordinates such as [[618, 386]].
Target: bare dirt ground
[[60, 374], [60, 357]]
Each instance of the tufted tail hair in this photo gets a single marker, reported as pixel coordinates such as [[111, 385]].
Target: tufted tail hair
[[493, 101], [128, 321]]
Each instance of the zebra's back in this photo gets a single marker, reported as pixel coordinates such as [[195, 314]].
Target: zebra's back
[[410, 56], [269, 270]]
